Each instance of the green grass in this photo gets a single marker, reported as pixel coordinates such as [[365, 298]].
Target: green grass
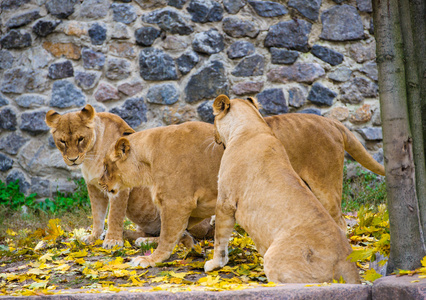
[[364, 189]]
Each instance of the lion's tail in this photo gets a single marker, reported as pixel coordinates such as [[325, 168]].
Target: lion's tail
[[355, 149]]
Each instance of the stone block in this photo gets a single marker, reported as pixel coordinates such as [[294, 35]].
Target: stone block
[[40, 186], [296, 97], [178, 114], [33, 122], [145, 36], [97, 33], [340, 74], [174, 43], [237, 28], [283, 56], [119, 31], [370, 69], [9, 5], [361, 115], [355, 90], [92, 59], [272, 101], [341, 23], [124, 13], [207, 83], [169, 20], [338, 113], [23, 19], [328, 55], [310, 110], [16, 39], [371, 133], [105, 92], [166, 94], [117, 68], [6, 59], [45, 27], [176, 3], [86, 80], [268, 8], [321, 95], [208, 42], [205, 111], [187, 61], [363, 52], [308, 8], [15, 175], [94, 9], [155, 64], [299, 72], [234, 6], [3, 100], [130, 88], [12, 143], [245, 88], [69, 50], [61, 70], [292, 35], [6, 163], [364, 5], [240, 49], [31, 101], [203, 11], [133, 111], [65, 94], [252, 65], [61, 9]]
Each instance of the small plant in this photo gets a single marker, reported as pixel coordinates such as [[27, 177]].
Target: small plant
[[11, 196], [366, 188]]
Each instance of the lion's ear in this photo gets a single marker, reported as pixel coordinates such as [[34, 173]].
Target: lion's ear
[[221, 104], [87, 113], [122, 148], [254, 102], [52, 118]]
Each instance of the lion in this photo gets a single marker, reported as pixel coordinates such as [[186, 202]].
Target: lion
[[83, 138], [258, 188]]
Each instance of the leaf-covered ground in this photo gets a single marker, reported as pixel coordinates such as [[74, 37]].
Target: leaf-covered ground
[[53, 260]]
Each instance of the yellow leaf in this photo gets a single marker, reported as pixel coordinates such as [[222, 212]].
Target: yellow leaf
[[270, 283], [423, 261], [414, 281], [11, 232], [45, 257], [81, 253], [121, 273], [371, 275], [62, 268], [80, 261], [179, 275], [40, 245]]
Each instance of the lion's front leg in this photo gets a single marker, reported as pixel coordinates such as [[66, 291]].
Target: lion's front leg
[[99, 205], [117, 212], [224, 224], [174, 220]]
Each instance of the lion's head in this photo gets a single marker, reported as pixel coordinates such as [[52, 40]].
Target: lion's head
[[73, 133]]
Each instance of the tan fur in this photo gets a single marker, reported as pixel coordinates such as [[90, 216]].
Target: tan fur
[[260, 190], [99, 131]]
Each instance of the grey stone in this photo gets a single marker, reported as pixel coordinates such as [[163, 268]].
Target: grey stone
[[272, 102], [8, 119], [250, 87], [207, 83], [235, 27], [371, 29], [3, 100], [6, 59], [371, 133], [31, 101], [23, 19], [178, 114], [355, 90], [155, 64], [61, 70], [92, 59], [187, 61], [15, 175], [106, 92], [119, 31], [361, 53], [86, 80], [133, 111], [296, 97], [208, 42], [290, 34], [370, 69], [339, 1], [61, 8], [146, 36], [51, 141], [12, 143], [13, 4], [130, 88], [268, 8], [33, 122], [16, 39], [117, 68], [165, 93], [377, 120], [37, 81], [341, 74], [174, 43], [6, 163], [250, 66], [176, 3], [379, 157], [283, 56], [328, 55], [300, 72], [341, 23], [321, 95], [45, 27], [308, 8], [312, 111], [94, 9], [234, 6], [150, 4], [39, 57], [40, 186], [205, 111], [240, 49], [203, 11], [364, 5], [97, 33], [169, 20], [15, 80], [66, 94], [124, 13]]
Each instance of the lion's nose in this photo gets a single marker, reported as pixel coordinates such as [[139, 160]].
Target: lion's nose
[[72, 159]]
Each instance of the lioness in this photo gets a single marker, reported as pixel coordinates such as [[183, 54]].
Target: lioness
[[83, 138], [259, 189]]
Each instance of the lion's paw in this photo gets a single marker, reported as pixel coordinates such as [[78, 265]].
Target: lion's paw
[[89, 239], [141, 261], [110, 243], [211, 265]]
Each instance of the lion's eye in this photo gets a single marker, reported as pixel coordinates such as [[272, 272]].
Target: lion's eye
[[62, 141], [80, 139]]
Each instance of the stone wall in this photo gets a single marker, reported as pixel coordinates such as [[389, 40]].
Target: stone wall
[[161, 62]]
